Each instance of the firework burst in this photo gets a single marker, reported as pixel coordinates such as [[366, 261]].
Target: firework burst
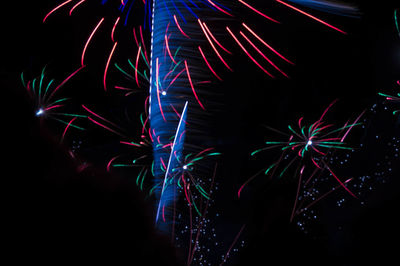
[[46, 105], [310, 146]]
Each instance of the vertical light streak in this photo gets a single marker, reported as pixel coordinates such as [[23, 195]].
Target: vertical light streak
[[88, 41], [98, 116], [113, 29], [168, 50], [144, 47], [158, 90], [396, 22], [107, 65], [183, 116], [137, 63], [191, 85]]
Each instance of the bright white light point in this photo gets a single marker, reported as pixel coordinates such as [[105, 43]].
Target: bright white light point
[[164, 93], [185, 167], [309, 143], [39, 112]]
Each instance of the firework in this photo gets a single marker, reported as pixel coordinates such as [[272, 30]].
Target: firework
[[183, 48], [46, 105], [310, 146]]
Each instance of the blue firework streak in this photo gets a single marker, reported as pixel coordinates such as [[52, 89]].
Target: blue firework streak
[[172, 81], [167, 194]]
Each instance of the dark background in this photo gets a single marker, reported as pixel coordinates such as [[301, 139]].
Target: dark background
[[329, 65]]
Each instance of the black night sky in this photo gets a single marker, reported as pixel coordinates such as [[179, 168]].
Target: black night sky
[[80, 215]]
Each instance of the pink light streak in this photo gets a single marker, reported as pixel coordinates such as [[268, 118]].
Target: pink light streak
[[248, 54], [258, 12], [168, 50], [88, 41], [98, 116], [144, 47], [191, 85], [220, 9], [66, 128], [311, 16], [65, 81], [107, 65], [105, 127], [214, 39], [75, 6], [179, 27], [208, 64], [263, 55], [114, 27], [266, 44], [56, 8], [212, 45], [137, 63]]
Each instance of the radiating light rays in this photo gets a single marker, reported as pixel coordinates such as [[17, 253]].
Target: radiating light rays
[[47, 106], [310, 146]]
